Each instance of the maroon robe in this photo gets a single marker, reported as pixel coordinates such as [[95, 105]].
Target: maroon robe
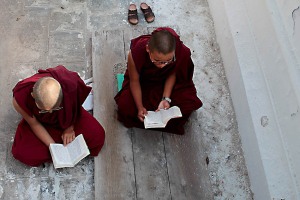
[[152, 81], [27, 147]]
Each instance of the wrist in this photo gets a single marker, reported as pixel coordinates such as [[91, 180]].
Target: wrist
[[166, 99], [140, 107], [70, 128]]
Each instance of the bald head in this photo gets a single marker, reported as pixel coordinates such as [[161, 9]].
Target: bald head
[[162, 41], [47, 93]]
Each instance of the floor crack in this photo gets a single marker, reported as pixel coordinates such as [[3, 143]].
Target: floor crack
[[293, 16], [163, 138]]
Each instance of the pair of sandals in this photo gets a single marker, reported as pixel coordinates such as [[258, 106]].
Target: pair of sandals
[[133, 15]]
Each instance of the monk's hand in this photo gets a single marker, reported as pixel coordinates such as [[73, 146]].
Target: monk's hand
[[141, 113], [163, 105], [68, 136]]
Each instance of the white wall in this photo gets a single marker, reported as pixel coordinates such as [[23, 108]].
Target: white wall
[[260, 46]]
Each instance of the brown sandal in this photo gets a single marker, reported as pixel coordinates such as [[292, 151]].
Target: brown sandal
[[147, 11], [132, 15]]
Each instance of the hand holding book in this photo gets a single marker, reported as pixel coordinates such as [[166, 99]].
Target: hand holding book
[[159, 119], [69, 155]]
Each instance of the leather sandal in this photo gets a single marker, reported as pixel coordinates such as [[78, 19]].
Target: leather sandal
[[132, 15], [147, 11]]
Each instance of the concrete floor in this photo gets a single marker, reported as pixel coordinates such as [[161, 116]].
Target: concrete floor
[[42, 33]]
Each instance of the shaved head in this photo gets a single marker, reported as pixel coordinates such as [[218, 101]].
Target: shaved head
[[162, 41], [47, 93]]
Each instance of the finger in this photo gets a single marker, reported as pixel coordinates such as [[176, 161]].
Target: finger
[[141, 119]]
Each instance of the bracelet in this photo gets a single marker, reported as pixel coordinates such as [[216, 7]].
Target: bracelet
[[167, 99]]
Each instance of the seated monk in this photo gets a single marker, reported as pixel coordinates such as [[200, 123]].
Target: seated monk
[[159, 75], [50, 103]]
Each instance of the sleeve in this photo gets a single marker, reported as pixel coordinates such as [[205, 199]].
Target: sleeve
[[22, 92], [138, 51], [184, 65]]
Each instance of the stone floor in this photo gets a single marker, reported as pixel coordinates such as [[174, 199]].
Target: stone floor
[[42, 33]]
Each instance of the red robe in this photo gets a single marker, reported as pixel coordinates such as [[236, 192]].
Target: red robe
[[152, 81], [27, 147]]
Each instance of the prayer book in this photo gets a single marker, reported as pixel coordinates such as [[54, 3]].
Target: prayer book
[[160, 118], [69, 155]]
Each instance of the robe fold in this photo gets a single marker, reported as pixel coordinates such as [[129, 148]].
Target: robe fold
[[152, 79], [27, 147]]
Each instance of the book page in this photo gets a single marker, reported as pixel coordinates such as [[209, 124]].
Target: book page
[[160, 118], [154, 117], [60, 156], [170, 113], [69, 155], [77, 149]]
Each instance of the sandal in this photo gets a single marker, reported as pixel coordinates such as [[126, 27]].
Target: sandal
[[147, 11], [132, 15]]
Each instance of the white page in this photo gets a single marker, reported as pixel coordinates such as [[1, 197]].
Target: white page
[[61, 154], [160, 118], [69, 155], [170, 113], [75, 150], [154, 117]]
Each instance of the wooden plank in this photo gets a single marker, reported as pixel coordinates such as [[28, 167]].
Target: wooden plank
[[152, 181], [186, 160], [114, 169], [150, 165], [186, 163]]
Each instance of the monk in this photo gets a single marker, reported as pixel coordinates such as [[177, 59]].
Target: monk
[[159, 75], [50, 103]]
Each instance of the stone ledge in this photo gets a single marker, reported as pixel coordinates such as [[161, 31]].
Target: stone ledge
[[262, 85]]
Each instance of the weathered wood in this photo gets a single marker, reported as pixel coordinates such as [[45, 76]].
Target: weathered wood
[[114, 169], [186, 160], [150, 165], [148, 150]]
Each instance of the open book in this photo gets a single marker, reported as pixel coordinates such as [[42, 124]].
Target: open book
[[69, 155], [160, 118]]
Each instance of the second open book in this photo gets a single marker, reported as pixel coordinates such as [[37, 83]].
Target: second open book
[[160, 118], [69, 155]]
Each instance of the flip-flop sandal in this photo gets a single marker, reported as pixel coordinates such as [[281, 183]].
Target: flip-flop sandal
[[147, 11], [132, 15]]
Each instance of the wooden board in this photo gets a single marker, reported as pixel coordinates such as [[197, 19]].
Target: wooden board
[[187, 167], [152, 179], [114, 169], [148, 151]]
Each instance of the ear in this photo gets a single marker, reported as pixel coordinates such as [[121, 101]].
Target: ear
[[147, 48], [32, 94]]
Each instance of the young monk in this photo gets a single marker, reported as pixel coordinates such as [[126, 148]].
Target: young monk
[[159, 75], [50, 103]]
